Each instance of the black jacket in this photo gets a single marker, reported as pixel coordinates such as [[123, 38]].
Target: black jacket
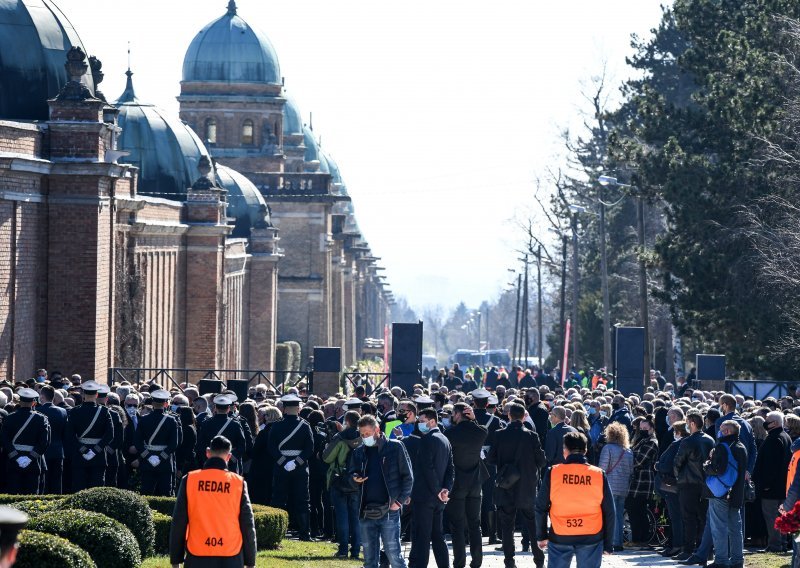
[[180, 520], [396, 467], [531, 459], [607, 506], [78, 433], [772, 463], [554, 443], [466, 440], [433, 470], [692, 454], [719, 462], [666, 463], [539, 414], [58, 423]]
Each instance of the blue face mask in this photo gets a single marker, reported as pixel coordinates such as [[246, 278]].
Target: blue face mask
[[666, 419], [174, 408], [40, 379], [446, 422], [592, 410], [424, 428], [604, 414], [369, 442]]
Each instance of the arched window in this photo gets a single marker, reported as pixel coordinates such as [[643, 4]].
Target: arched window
[[211, 130], [247, 132]]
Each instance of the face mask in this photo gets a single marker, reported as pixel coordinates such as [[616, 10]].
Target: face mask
[[592, 411], [666, 419], [719, 434], [446, 422], [402, 416], [174, 408], [131, 410], [40, 379], [369, 442], [604, 414], [261, 427], [676, 437], [424, 428]]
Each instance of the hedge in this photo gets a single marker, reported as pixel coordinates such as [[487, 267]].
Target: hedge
[[108, 542], [127, 507], [40, 550], [163, 523], [271, 525], [8, 499], [163, 505], [36, 507]]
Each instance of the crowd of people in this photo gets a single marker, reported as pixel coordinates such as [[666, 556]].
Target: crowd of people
[[481, 454]]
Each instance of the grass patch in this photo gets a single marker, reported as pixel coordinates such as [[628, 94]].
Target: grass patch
[[768, 560], [291, 554]]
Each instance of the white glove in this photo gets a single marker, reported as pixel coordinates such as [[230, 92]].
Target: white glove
[[290, 465], [154, 460], [89, 455], [24, 461], [483, 454]]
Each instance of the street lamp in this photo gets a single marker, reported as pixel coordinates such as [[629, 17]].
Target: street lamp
[[612, 181]]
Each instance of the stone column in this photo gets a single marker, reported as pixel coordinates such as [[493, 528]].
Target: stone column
[[263, 297]]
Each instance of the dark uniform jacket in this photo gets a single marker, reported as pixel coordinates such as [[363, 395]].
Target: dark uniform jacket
[[180, 520], [531, 460], [467, 439], [492, 424], [115, 447], [433, 470], [539, 414], [57, 417], [31, 441], [299, 445], [221, 425], [157, 435], [395, 466], [79, 437]]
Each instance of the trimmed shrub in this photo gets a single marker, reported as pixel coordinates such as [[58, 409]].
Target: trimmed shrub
[[163, 523], [283, 362], [271, 525], [108, 542], [297, 355], [6, 499], [36, 507], [163, 505], [40, 550], [127, 507]]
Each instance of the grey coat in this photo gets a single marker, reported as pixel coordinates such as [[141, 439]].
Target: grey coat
[[618, 465]]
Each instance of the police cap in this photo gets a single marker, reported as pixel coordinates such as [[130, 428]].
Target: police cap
[[103, 391], [492, 401], [90, 387], [353, 403], [161, 395], [293, 400], [480, 394], [223, 400], [27, 395], [11, 522]]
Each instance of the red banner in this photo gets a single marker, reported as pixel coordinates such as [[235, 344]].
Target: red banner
[[565, 366]]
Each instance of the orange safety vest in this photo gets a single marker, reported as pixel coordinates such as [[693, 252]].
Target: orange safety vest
[[576, 498], [792, 469], [213, 498]]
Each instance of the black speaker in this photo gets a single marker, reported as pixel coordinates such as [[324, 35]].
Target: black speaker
[[209, 386], [710, 367], [239, 386], [407, 348], [629, 360], [327, 359], [405, 381]]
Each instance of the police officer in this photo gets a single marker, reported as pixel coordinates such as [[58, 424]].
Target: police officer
[[26, 436], [221, 424], [483, 402], [156, 442], [290, 445], [113, 449], [212, 525], [578, 499], [54, 457], [89, 432], [11, 522]]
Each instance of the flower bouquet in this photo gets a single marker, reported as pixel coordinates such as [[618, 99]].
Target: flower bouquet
[[789, 523]]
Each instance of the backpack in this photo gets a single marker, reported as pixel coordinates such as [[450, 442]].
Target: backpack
[[720, 485]]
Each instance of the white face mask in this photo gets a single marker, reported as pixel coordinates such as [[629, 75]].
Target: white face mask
[[676, 437], [369, 441]]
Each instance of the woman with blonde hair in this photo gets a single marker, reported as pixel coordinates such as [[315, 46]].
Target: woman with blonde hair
[[259, 479], [616, 459]]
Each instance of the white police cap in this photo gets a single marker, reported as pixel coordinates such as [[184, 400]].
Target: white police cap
[[480, 394], [90, 387], [492, 400], [353, 402], [27, 395], [223, 400], [161, 395], [103, 390], [291, 400]]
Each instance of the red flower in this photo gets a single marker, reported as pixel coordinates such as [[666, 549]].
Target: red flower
[[789, 523]]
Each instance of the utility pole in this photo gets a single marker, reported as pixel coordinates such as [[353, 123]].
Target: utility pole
[[643, 291], [525, 329], [514, 351], [540, 339], [562, 316], [604, 285], [575, 289]]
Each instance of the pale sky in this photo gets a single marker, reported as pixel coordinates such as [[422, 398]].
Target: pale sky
[[440, 113]]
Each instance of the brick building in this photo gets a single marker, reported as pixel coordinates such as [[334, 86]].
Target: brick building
[[131, 238]]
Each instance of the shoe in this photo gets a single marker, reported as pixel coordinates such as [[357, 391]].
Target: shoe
[[671, 552], [684, 556], [691, 561], [618, 548], [341, 555], [499, 548], [493, 540]]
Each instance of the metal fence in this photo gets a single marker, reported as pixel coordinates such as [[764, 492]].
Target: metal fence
[[758, 389], [279, 381]]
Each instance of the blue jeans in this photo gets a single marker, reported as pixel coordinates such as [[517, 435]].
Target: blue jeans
[[726, 532], [386, 529], [619, 515], [345, 507], [586, 555]]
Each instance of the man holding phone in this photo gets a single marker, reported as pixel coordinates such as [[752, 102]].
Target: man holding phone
[[382, 469]]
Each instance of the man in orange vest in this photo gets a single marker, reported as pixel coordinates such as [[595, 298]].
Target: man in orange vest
[[578, 499], [212, 525]]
